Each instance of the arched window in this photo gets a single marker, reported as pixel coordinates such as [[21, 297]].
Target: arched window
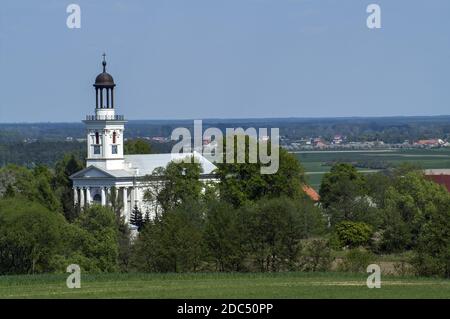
[[114, 137], [97, 138]]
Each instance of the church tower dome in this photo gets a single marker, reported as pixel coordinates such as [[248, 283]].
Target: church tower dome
[[104, 79], [104, 89]]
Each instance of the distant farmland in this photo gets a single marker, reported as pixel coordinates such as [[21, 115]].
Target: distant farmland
[[317, 163]]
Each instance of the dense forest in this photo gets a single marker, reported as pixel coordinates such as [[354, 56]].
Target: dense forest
[[39, 152], [49, 152]]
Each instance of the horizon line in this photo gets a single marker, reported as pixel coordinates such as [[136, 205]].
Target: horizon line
[[247, 118]]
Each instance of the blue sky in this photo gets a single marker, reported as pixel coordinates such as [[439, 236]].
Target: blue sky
[[175, 59]]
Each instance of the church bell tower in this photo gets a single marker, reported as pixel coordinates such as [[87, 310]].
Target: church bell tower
[[105, 128]]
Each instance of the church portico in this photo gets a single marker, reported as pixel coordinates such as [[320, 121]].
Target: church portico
[[102, 195], [112, 178]]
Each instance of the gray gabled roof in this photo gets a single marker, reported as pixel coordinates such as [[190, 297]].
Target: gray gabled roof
[[97, 172], [141, 165], [148, 162]]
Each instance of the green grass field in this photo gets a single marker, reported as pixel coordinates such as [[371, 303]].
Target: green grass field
[[313, 161], [222, 285]]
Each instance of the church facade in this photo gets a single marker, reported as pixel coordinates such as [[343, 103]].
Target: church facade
[[107, 167]]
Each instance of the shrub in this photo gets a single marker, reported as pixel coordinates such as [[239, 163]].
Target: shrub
[[432, 253], [97, 226], [274, 233], [224, 236], [316, 256], [425, 264], [403, 269], [172, 242], [334, 242], [30, 236], [356, 260], [353, 234]]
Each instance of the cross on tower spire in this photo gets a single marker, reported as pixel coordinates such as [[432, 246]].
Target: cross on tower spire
[[104, 62]]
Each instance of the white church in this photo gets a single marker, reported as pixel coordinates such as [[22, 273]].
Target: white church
[[106, 165]]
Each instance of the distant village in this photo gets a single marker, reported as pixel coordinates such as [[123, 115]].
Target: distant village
[[340, 142]]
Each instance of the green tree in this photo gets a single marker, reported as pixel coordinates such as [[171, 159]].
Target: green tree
[[154, 184], [124, 245], [343, 193], [377, 184], [34, 239], [243, 182], [172, 242], [137, 146], [32, 185], [417, 217], [62, 184], [182, 184], [224, 235], [136, 218], [432, 254], [102, 244], [411, 202], [116, 202], [274, 229], [30, 236], [353, 234], [146, 217], [316, 256]]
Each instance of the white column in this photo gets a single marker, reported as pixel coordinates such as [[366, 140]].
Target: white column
[[82, 197], [88, 195], [103, 139], [103, 196], [133, 198], [108, 196], [75, 196], [125, 203]]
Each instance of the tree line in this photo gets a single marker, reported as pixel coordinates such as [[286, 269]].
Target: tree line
[[243, 221], [387, 129]]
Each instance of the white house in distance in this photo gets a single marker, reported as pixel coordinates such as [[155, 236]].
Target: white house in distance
[[108, 167]]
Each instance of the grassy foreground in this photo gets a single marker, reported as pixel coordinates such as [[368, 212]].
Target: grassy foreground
[[221, 285]]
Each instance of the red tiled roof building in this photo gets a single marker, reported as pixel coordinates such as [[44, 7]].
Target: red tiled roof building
[[440, 176]]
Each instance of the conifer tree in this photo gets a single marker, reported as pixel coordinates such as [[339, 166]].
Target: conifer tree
[[146, 218], [136, 218]]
